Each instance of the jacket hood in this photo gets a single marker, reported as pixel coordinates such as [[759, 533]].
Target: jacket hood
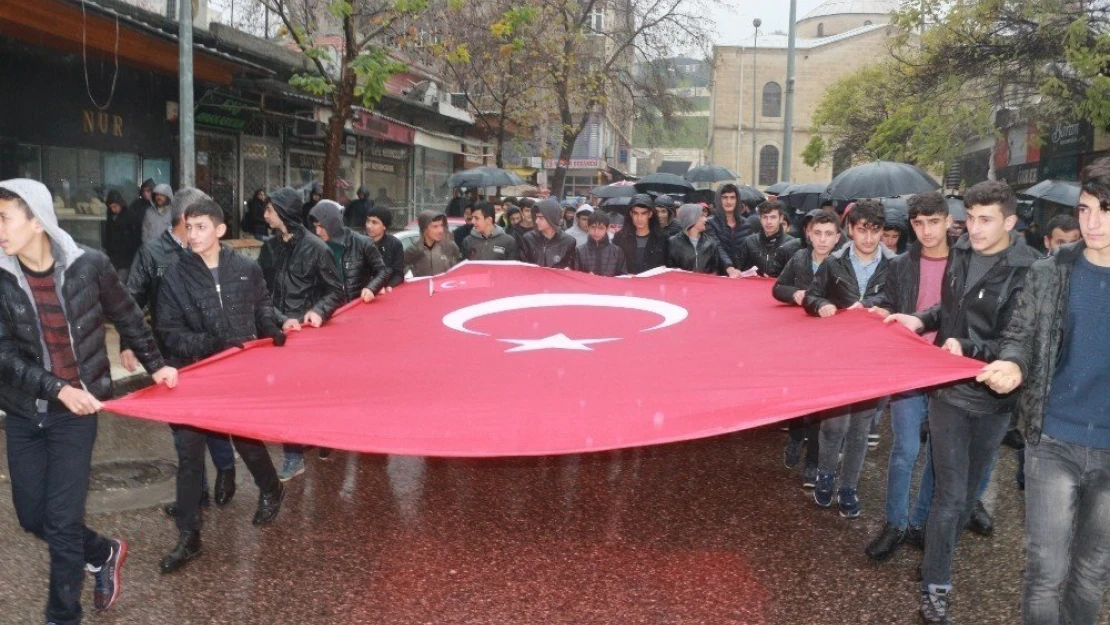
[[38, 198], [164, 189], [585, 208], [147, 184], [363, 191], [688, 215], [425, 219], [115, 196], [330, 216], [552, 212], [717, 210], [288, 203]]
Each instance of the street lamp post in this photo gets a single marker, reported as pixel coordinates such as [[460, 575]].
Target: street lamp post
[[755, 90], [788, 122]]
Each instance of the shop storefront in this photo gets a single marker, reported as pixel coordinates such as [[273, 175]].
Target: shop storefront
[[583, 174], [1064, 146], [385, 173], [82, 147], [434, 160], [307, 167]]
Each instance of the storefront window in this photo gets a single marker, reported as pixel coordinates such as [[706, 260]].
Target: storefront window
[[217, 172], [157, 169], [29, 161], [433, 168], [304, 169], [385, 173]]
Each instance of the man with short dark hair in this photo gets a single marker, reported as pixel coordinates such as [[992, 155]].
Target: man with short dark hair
[[378, 221], [1062, 230], [729, 226], [598, 255], [985, 273], [822, 231], [640, 237], [548, 245], [852, 278], [55, 299], [760, 249], [1055, 349], [212, 300], [464, 230], [487, 240], [436, 251]]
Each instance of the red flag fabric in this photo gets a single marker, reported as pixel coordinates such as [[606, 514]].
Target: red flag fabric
[[532, 361]]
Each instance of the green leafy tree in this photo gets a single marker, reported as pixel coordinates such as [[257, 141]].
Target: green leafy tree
[[347, 41]]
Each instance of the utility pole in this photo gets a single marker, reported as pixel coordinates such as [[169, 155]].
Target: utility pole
[[788, 118], [185, 85], [755, 97]]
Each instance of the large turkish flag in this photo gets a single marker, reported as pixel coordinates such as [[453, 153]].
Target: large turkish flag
[[507, 359]]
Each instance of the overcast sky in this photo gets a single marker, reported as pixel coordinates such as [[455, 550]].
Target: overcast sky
[[734, 20]]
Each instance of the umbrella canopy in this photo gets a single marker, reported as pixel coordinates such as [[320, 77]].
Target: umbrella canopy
[[749, 195], [802, 198], [956, 208], [624, 188], [1063, 192], [881, 179], [777, 188], [617, 202], [478, 177], [897, 212], [663, 183], [709, 173]]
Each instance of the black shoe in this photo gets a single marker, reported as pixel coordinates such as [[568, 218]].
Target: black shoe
[[171, 508], [269, 504], [324, 453], [981, 522], [886, 543], [108, 579], [225, 486], [1014, 439], [915, 537], [187, 548]]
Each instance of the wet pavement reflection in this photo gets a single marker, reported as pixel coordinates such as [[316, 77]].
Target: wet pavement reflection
[[712, 531]]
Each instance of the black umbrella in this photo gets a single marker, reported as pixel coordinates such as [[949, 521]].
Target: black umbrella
[[479, 177], [777, 188], [1059, 191], [802, 198], [749, 195], [663, 183], [897, 212], [709, 173], [617, 189], [956, 208], [881, 179], [616, 203]]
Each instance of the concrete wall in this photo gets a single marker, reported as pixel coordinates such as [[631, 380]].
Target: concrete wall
[[836, 24]]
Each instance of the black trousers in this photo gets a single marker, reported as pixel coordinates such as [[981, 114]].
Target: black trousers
[[807, 428], [192, 443], [49, 466]]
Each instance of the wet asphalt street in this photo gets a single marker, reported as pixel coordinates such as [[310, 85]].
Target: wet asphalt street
[[709, 532]]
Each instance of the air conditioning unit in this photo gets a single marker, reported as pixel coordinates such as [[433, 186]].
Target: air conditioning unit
[[458, 100], [426, 92], [309, 129]]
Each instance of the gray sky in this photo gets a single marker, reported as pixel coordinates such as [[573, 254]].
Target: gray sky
[[734, 19]]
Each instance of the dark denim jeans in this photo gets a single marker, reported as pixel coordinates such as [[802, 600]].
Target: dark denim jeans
[[49, 466], [964, 446], [847, 429], [1067, 532], [219, 447]]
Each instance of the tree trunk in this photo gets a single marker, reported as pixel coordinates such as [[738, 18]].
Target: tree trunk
[[332, 147]]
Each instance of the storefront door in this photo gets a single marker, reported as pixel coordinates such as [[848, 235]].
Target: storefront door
[[217, 158]]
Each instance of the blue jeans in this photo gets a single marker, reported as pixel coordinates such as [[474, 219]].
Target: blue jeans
[[219, 446], [1067, 532], [49, 461], [846, 429], [907, 413]]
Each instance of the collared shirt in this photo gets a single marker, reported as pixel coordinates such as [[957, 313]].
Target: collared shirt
[[863, 271]]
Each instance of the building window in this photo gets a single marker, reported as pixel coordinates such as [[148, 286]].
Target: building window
[[768, 165], [772, 100], [821, 30], [595, 22]]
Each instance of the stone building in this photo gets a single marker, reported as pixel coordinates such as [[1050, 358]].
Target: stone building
[[834, 40]]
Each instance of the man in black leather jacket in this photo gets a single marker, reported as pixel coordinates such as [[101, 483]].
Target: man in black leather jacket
[[378, 221], [985, 273], [358, 261], [693, 249], [641, 238], [548, 245], [212, 300], [55, 300], [760, 249], [303, 281]]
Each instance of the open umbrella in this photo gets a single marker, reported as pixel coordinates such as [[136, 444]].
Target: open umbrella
[[956, 208], [616, 203], [709, 173], [663, 183], [802, 198], [881, 179], [749, 195], [1063, 192], [624, 188], [777, 188], [479, 177]]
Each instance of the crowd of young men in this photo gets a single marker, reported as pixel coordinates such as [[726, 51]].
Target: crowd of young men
[[1039, 323]]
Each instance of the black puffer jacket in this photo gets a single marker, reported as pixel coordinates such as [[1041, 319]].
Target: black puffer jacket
[[363, 267], [681, 254], [601, 259], [976, 319], [300, 272], [150, 265], [354, 217], [91, 294], [393, 256], [761, 252], [729, 239], [835, 282], [557, 252], [197, 319], [655, 255], [1034, 339], [797, 275]]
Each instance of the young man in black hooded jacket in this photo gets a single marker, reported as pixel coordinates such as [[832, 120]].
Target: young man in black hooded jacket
[[357, 260]]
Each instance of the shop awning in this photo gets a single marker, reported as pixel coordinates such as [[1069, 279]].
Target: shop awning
[[438, 142]]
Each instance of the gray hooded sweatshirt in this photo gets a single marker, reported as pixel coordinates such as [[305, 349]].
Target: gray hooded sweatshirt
[[157, 220]]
